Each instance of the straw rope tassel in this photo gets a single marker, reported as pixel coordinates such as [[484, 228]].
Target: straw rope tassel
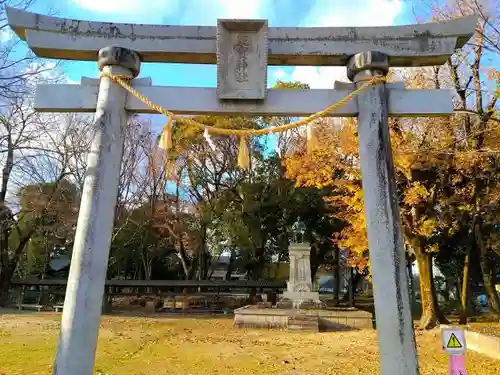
[[166, 136], [311, 138], [243, 153]]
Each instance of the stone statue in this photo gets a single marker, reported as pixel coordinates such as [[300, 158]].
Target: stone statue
[[298, 231]]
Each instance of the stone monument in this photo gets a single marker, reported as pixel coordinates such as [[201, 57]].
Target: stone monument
[[299, 292]]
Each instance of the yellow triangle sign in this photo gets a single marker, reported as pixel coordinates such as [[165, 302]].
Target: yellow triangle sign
[[453, 342]]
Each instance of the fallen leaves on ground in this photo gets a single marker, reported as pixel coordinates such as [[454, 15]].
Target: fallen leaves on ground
[[200, 346], [491, 329]]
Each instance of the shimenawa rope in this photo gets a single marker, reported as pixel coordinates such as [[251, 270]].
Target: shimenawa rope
[[244, 134]]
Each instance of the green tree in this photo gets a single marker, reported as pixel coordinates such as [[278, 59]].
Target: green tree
[[53, 221]]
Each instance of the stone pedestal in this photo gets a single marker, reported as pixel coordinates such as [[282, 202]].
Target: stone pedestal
[[299, 293]]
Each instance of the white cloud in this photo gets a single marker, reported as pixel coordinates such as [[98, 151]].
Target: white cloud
[[47, 72], [197, 12], [206, 12], [319, 77], [239, 9], [352, 13], [280, 74], [40, 71], [6, 34], [124, 6], [194, 12], [356, 13]]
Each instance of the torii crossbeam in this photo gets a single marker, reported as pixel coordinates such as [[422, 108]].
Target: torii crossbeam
[[203, 101], [242, 50]]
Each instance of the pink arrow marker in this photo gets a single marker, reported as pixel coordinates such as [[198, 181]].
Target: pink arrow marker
[[457, 365]]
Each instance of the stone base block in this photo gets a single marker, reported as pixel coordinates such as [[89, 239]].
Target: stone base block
[[264, 305], [304, 305], [300, 300], [251, 316], [303, 322], [301, 296]]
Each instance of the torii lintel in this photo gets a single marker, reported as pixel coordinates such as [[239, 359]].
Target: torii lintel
[[407, 46]]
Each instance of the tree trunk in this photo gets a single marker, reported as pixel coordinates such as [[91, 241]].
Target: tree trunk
[[446, 292], [464, 294], [255, 272], [314, 271], [314, 263], [352, 286], [429, 318], [148, 270], [146, 263], [488, 271], [202, 271], [230, 266], [8, 266], [336, 275], [458, 289], [5, 282], [186, 263], [442, 319], [411, 284]]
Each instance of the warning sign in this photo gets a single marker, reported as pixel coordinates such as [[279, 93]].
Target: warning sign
[[453, 340]]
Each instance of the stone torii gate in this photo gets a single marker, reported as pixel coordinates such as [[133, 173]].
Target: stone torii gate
[[242, 50]]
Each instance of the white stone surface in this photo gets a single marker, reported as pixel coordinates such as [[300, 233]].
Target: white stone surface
[[87, 276], [279, 102], [299, 285], [411, 45], [395, 335], [242, 59]]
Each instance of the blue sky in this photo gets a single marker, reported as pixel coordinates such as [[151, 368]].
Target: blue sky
[[206, 12], [305, 13]]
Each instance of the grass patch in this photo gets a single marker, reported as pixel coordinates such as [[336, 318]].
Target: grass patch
[[147, 346]]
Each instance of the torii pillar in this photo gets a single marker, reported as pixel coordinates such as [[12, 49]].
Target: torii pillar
[[395, 334], [87, 276]]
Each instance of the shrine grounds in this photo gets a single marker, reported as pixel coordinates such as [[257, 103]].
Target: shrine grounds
[[201, 346]]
